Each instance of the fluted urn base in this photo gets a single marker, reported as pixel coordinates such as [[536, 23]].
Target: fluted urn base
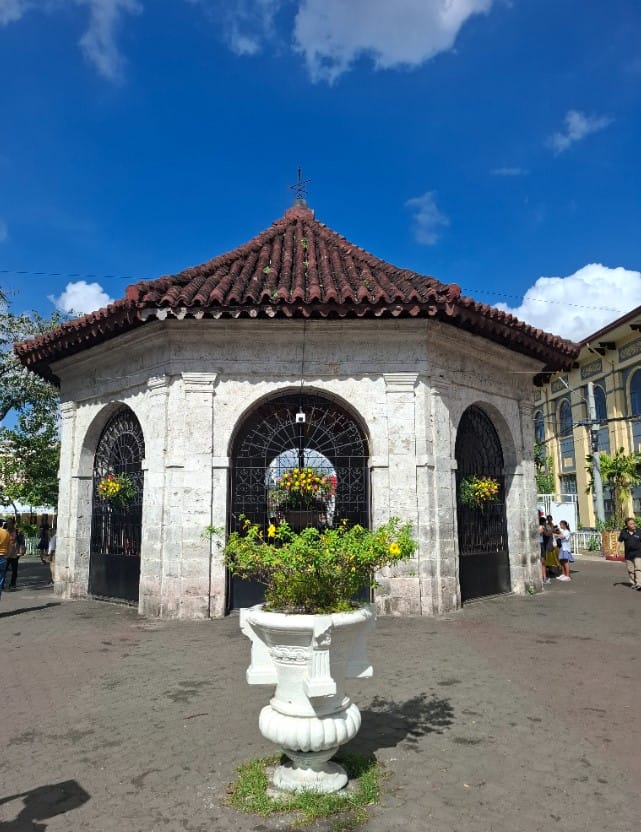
[[310, 772]]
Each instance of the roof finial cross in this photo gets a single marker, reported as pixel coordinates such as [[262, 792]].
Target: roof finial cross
[[300, 190]]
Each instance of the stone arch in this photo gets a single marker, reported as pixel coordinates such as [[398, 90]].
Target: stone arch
[[272, 436], [484, 567]]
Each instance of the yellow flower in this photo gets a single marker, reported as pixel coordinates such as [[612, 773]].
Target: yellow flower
[[271, 530], [394, 549]]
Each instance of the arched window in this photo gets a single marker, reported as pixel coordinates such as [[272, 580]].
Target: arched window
[[599, 401], [565, 418], [635, 393], [539, 427]]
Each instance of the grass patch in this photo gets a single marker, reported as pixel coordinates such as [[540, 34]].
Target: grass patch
[[249, 793]]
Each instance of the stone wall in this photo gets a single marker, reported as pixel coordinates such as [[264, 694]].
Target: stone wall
[[191, 383]]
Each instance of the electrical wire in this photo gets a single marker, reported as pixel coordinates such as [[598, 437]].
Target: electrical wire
[[465, 290]]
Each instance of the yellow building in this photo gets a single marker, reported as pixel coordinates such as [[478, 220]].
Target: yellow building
[[608, 371]]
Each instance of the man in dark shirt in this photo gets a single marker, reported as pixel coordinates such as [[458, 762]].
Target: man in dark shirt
[[631, 540]]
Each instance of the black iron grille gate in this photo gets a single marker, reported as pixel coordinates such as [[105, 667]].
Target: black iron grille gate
[[114, 563], [484, 567], [275, 438]]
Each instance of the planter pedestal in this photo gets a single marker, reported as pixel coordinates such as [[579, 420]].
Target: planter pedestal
[[308, 658]]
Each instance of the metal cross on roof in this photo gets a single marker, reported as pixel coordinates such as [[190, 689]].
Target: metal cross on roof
[[299, 188]]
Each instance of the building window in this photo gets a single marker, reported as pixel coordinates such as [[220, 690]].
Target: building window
[[568, 485], [539, 427], [599, 401], [635, 394], [635, 410], [565, 418]]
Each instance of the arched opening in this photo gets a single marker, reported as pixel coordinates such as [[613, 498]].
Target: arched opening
[[295, 432], [484, 567], [116, 518]]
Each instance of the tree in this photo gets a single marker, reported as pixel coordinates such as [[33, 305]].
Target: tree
[[544, 468], [620, 472], [21, 389], [29, 448]]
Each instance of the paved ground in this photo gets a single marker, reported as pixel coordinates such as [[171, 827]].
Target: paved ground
[[513, 715]]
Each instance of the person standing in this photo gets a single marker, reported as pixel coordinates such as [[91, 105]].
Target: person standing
[[5, 543], [543, 542], [565, 551], [13, 558], [631, 540], [43, 543], [51, 556]]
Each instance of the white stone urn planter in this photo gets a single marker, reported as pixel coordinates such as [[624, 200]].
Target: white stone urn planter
[[308, 658]]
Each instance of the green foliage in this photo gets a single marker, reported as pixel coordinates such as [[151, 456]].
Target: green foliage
[[20, 389], [620, 472], [594, 544], [29, 449], [477, 492], [249, 794], [544, 468], [117, 489], [315, 571]]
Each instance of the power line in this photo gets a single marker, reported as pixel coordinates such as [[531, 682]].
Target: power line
[[544, 300], [25, 273], [480, 291]]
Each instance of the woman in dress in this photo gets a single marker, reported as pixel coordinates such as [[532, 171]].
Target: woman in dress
[[565, 552]]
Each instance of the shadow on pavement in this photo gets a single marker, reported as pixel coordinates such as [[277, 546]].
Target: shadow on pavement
[[386, 723], [42, 803], [32, 575], [20, 610]]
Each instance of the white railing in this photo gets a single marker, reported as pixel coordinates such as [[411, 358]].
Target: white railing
[[588, 541], [32, 545]]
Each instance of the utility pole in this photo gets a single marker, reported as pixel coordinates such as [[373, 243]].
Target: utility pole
[[599, 506]]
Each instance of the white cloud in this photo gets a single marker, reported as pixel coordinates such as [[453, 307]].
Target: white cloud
[[428, 220], [581, 303], [577, 126], [12, 10], [4, 231], [332, 34], [98, 43], [509, 172], [81, 297]]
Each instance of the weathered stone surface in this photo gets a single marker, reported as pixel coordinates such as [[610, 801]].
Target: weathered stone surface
[[191, 383]]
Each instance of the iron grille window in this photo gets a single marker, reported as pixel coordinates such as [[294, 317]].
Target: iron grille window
[[276, 439], [117, 530]]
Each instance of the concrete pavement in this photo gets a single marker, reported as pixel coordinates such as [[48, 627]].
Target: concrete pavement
[[516, 714]]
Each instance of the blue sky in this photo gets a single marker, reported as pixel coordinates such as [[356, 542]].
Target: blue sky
[[487, 143]]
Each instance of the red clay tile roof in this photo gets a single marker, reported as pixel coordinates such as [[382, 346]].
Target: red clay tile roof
[[296, 268]]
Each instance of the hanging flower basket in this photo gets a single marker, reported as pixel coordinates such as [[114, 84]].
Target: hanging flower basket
[[303, 488], [116, 489], [478, 492]]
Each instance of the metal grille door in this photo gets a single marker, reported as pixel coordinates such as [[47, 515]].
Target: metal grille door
[[114, 564], [484, 567]]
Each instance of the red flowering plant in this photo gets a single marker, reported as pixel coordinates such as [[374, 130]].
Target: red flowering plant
[[303, 488]]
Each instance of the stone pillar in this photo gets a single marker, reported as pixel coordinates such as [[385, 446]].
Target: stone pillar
[[74, 511], [180, 483], [195, 589], [525, 569], [399, 586], [153, 514], [444, 544], [217, 577]]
